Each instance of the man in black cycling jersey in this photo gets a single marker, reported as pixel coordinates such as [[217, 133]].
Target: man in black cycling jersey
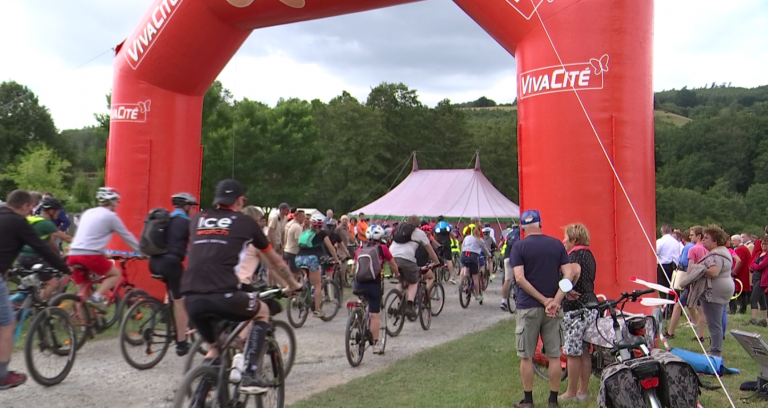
[[170, 265], [218, 239]]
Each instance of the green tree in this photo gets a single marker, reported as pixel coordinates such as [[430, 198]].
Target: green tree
[[40, 169]]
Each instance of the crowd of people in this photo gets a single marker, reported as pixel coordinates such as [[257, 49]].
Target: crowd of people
[[716, 275], [702, 262]]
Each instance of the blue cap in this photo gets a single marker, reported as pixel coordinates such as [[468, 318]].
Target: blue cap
[[529, 217]]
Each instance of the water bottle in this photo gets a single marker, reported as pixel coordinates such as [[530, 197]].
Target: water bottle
[[237, 368]]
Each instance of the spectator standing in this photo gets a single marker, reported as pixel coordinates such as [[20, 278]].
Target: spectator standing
[[720, 288], [742, 274], [361, 228], [328, 217], [668, 251], [538, 262], [695, 254], [277, 221], [575, 321], [759, 269], [293, 231]]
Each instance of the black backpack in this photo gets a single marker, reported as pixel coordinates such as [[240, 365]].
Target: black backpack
[[403, 233], [153, 240]]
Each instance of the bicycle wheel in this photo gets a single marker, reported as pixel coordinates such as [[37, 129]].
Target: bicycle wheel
[[355, 338], [331, 299], [145, 333], [425, 312], [79, 315], [512, 298], [286, 341], [272, 372], [541, 364], [465, 292], [382, 331], [484, 278], [131, 298], [198, 388], [196, 354], [297, 308], [437, 298], [52, 334], [394, 311]]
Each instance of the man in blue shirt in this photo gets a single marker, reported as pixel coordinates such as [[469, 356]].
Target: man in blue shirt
[[538, 262]]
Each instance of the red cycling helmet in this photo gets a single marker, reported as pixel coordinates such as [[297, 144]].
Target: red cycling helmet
[[426, 228]]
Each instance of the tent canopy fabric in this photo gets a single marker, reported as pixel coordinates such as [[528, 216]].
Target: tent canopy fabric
[[454, 194]]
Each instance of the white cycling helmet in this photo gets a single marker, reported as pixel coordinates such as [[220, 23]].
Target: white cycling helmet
[[375, 233], [105, 194], [487, 230], [317, 220]]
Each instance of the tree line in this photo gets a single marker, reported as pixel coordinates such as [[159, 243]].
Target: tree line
[[345, 153]]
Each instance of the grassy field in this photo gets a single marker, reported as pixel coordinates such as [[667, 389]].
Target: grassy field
[[676, 120], [482, 370]]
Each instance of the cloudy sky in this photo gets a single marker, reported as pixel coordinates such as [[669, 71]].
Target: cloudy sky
[[61, 50]]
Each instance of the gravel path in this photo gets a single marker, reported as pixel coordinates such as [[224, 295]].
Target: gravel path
[[101, 378]]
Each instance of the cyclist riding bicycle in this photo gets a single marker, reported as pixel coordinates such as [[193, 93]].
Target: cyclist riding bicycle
[[170, 265], [311, 244], [490, 243], [336, 240], [372, 289], [472, 249], [406, 241], [93, 234], [422, 256], [15, 232], [509, 276], [210, 286], [443, 237], [45, 227]]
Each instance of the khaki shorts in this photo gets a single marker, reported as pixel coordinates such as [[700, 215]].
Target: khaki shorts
[[409, 270], [534, 322]]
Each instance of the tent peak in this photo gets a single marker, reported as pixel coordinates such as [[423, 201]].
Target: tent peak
[[477, 160], [415, 163]]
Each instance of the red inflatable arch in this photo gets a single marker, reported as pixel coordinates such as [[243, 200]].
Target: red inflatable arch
[[584, 77]]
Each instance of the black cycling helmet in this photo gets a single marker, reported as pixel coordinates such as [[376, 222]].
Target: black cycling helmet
[[182, 199], [51, 203]]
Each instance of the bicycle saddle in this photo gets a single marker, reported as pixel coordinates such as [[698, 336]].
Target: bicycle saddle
[[631, 342], [358, 292]]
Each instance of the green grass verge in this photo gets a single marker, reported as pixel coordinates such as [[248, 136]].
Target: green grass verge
[[482, 370]]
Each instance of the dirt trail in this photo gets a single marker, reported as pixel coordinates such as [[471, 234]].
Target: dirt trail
[[101, 378]]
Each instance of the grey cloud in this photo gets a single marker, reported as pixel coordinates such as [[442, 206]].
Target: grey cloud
[[431, 45]]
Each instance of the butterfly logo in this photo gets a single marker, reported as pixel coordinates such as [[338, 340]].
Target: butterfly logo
[[600, 65], [144, 106]]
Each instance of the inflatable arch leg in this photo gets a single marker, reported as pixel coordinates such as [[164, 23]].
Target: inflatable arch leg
[[585, 108]]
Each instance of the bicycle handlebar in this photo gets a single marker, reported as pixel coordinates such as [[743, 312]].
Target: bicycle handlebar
[[610, 304]]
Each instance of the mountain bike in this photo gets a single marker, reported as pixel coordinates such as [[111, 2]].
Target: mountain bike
[[51, 333], [282, 332], [26, 301], [395, 303], [358, 333], [298, 308], [217, 388], [601, 336], [85, 316], [122, 296], [467, 288], [154, 330], [633, 347]]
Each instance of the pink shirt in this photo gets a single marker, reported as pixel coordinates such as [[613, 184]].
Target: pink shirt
[[697, 253]]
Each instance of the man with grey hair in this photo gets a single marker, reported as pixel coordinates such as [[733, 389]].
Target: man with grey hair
[[538, 262], [328, 217], [276, 227]]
